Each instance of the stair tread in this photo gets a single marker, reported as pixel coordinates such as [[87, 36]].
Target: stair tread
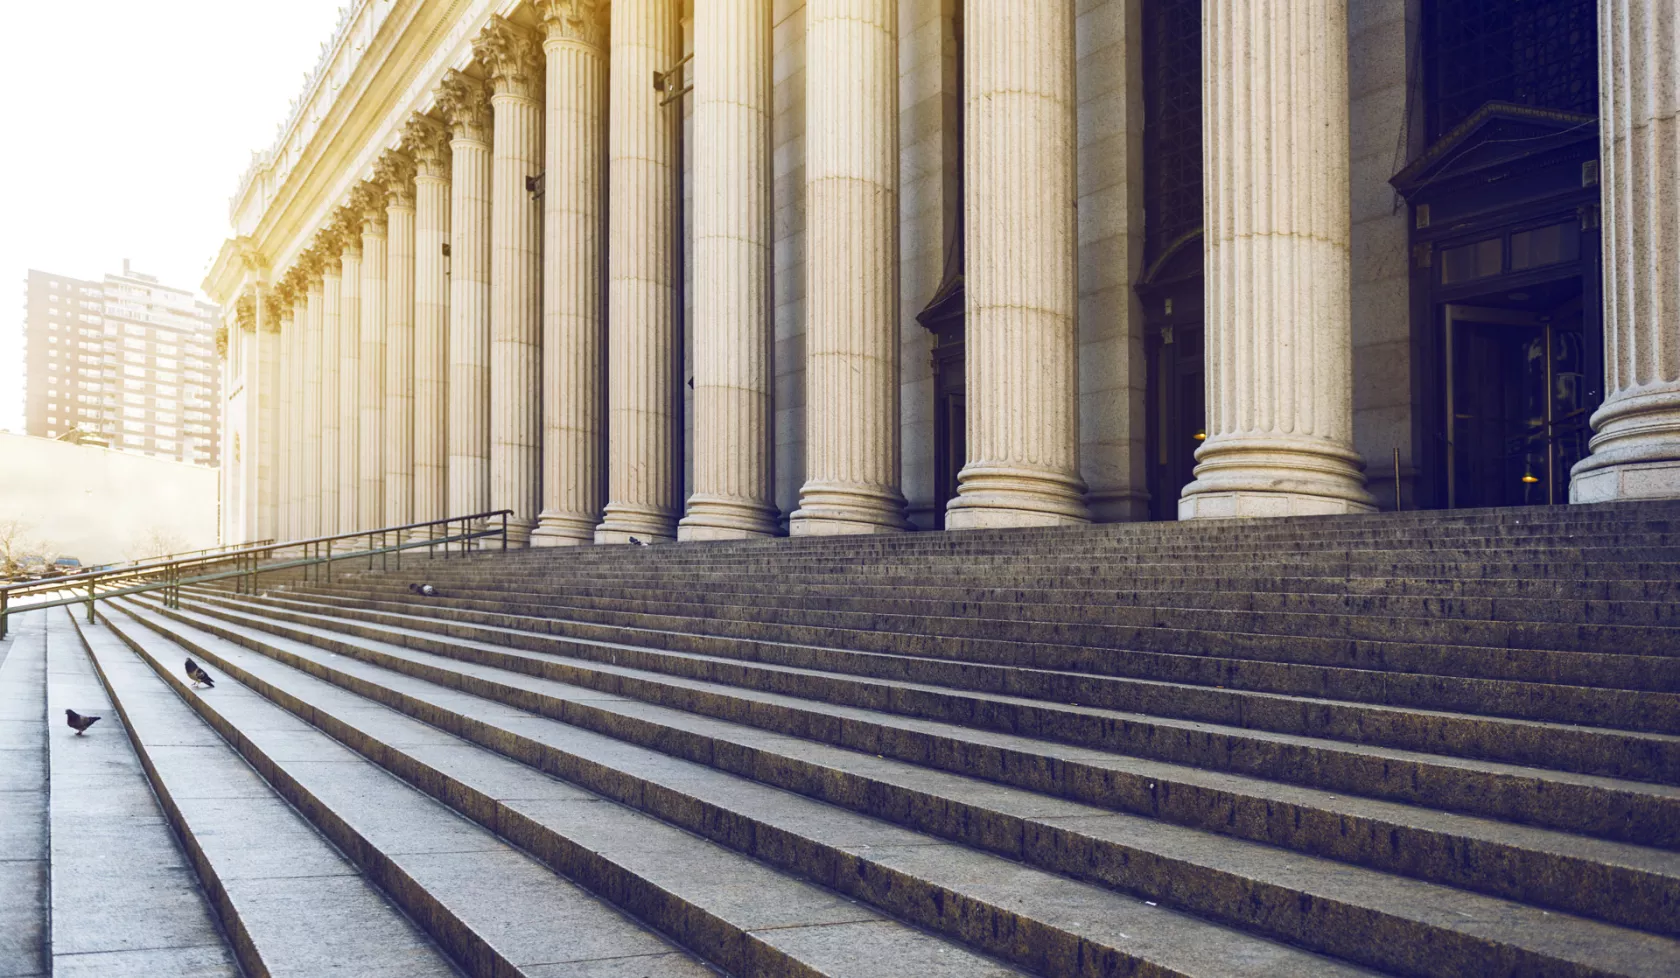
[[1434, 905], [121, 887], [304, 909], [23, 798], [1117, 717], [1097, 915]]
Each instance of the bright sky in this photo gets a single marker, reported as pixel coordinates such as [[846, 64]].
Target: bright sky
[[129, 126]]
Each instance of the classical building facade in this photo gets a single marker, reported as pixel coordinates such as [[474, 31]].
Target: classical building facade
[[698, 269], [124, 361]]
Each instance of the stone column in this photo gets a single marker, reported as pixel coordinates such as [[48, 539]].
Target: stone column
[[284, 400], [270, 312], [1020, 225], [244, 464], [1636, 432], [428, 142], [573, 184], [641, 423], [733, 377], [298, 347], [371, 360], [851, 271], [349, 373], [309, 468], [395, 173], [466, 104], [512, 60], [1279, 273], [327, 474]]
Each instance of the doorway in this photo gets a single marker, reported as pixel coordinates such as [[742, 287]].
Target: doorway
[[1177, 414], [1516, 389]]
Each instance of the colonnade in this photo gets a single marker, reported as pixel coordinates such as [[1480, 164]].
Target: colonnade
[[483, 325]]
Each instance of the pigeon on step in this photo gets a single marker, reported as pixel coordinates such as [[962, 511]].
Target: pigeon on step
[[424, 590], [198, 676], [78, 722], [638, 542]]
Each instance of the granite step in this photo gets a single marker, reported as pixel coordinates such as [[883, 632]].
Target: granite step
[[24, 952], [1586, 669], [1506, 720], [290, 902], [1047, 923], [1398, 837], [1399, 925], [124, 897], [495, 910]]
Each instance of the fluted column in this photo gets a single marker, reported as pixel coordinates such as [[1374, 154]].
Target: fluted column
[[309, 469], [395, 174], [466, 104], [327, 474], [371, 360], [1279, 314], [851, 269], [641, 417], [428, 142], [1636, 431], [297, 383], [733, 376], [512, 59], [573, 416], [1020, 225], [349, 376], [285, 399], [271, 312]]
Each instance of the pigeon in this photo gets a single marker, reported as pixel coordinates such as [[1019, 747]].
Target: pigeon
[[424, 590], [638, 542], [78, 722], [198, 676]]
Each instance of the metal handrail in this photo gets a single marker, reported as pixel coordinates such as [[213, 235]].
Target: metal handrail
[[48, 583], [250, 563]]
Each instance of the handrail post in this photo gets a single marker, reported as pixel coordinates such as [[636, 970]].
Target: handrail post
[[90, 602], [329, 560], [5, 595], [504, 531]]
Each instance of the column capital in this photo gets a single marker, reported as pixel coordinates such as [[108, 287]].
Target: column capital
[[465, 104], [309, 265], [426, 141], [584, 22], [343, 234], [511, 57], [367, 203], [395, 173], [245, 310], [286, 291]]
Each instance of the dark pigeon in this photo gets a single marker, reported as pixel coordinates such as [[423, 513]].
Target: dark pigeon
[[424, 590], [638, 542], [198, 676], [78, 722]]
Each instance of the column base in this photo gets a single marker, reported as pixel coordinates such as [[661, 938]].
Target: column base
[[1635, 453], [994, 497], [840, 509], [726, 518], [622, 521], [563, 530], [1241, 477]]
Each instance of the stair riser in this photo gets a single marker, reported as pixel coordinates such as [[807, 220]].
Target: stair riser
[[1606, 812], [1590, 751], [468, 949], [1322, 925]]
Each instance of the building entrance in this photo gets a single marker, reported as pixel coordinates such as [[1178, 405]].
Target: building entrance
[[1516, 390]]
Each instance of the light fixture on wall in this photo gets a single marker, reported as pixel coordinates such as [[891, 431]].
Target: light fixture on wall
[[1200, 436]]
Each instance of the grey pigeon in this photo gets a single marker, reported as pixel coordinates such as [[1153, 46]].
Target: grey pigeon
[[78, 722], [638, 542], [424, 590], [198, 676]]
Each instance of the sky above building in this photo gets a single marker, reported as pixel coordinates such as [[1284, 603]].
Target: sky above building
[[127, 131]]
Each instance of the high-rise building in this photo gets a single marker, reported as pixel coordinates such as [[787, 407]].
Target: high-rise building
[[126, 360]]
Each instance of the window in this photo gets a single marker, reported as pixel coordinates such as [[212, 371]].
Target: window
[[1541, 53], [52, 325]]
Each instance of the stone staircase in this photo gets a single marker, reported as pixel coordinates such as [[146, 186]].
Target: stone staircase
[[1405, 744]]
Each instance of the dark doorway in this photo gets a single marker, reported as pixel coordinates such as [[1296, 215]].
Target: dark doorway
[[1170, 288], [1507, 333], [1516, 390]]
